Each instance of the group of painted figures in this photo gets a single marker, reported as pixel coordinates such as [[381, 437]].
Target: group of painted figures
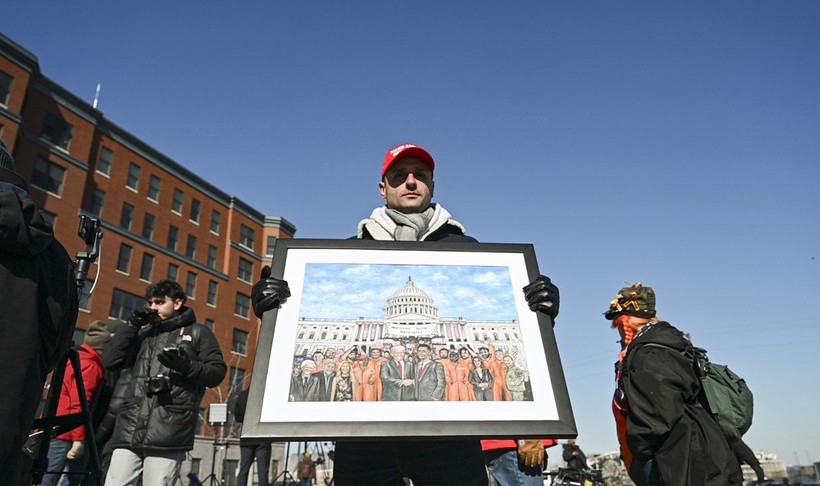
[[410, 371]]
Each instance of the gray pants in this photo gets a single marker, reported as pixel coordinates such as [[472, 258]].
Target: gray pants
[[127, 467]]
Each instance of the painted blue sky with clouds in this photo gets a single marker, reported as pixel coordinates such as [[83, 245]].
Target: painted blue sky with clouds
[[361, 290]]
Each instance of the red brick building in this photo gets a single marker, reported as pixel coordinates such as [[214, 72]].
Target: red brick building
[[159, 220]]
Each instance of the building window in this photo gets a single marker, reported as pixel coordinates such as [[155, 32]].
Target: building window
[[48, 176], [196, 209], [212, 288], [173, 238], [190, 285], [57, 131], [216, 221], [271, 245], [237, 380], [105, 161], [209, 323], [247, 236], [176, 206], [212, 256], [240, 342], [97, 203], [154, 185], [245, 270], [124, 260], [85, 295], [148, 224], [147, 267], [243, 305], [127, 216], [133, 180], [6, 83], [173, 272], [190, 247], [124, 304]]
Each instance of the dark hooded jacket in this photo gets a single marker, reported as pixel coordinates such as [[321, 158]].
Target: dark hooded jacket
[[666, 424], [37, 315], [164, 422]]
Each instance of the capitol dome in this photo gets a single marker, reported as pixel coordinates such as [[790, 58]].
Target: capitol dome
[[410, 304]]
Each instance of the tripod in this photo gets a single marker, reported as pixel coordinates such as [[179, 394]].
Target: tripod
[[211, 479], [50, 425], [287, 477]]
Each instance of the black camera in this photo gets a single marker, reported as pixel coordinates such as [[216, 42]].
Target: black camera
[[154, 385]]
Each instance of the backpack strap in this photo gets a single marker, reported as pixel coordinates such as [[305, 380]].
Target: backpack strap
[[194, 330], [697, 356]]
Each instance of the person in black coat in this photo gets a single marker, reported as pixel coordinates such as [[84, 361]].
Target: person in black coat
[[172, 360], [37, 315], [249, 452], [667, 437], [574, 456], [407, 187]]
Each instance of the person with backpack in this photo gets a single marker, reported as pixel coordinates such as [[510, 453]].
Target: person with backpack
[[666, 434], [306, 470]]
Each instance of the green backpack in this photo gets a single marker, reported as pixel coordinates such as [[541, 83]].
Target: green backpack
[[724, 393]]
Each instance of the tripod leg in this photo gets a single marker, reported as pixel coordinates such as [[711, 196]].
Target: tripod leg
[[94, 457]]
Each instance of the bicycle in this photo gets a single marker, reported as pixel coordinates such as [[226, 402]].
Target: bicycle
[[576, 477]]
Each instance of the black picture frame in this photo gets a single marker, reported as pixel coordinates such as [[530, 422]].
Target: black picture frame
[[351, 278]]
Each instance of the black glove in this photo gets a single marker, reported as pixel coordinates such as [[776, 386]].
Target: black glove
[[141, 317], [176, 359], [542, 296], [268, 293]]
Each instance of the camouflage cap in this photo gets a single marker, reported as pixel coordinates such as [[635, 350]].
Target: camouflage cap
[[638, 301]]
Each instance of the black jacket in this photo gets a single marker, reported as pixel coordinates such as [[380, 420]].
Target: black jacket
[[37, 315], [666, 422], [240, 405], [164, 422], [574, 462]]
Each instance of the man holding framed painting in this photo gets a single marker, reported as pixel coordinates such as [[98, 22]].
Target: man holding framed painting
[[407, 186]]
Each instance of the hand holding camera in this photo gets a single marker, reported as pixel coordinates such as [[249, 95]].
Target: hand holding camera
[[141, 317], [176, 359]]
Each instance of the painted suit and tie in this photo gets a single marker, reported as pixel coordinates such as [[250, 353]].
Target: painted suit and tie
[[431, 381], [398, 377]]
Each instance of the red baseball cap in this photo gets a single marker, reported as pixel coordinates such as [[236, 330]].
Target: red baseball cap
[[407, 150]]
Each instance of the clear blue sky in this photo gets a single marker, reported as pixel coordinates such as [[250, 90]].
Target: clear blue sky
[[673, 143]]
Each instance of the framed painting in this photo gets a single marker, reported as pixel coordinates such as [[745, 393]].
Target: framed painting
[[406, 340]]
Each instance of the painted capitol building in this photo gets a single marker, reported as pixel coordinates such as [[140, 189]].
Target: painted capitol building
[[410, 315]]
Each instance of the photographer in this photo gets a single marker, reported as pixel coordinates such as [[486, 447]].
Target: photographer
[[37, 315], [172, 360]]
